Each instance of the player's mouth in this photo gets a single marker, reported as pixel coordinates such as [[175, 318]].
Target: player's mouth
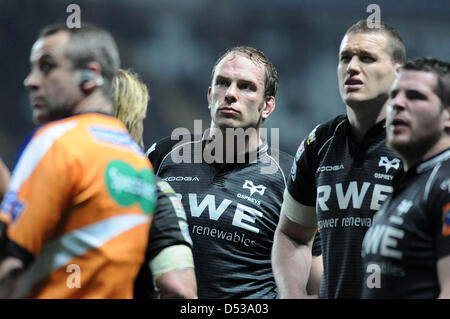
[[398, 125], [353, 83], [229, 110], [36, 101]]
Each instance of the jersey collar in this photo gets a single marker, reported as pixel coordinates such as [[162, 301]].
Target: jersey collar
[[247, 158], [375, 134], [403, 180], [433, 161]]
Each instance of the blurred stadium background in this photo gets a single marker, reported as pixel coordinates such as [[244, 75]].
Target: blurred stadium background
[[173, 44]]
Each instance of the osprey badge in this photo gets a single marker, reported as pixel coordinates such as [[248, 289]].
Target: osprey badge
[[384, 161], [249, 185]]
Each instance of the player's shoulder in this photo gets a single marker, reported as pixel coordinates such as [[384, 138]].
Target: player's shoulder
[[321, 135], [159, 150], [443, 170], [282, 159], [327, 129]]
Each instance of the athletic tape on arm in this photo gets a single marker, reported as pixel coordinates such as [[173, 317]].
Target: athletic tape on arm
[[171, 258], [298, 213]]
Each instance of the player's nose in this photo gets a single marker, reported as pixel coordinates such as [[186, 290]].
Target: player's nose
[[32, 81]]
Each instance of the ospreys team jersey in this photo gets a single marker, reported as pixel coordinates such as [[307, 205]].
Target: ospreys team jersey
[[79, 209], [347, 184], [232, 211], [169, 228], [410, 234]]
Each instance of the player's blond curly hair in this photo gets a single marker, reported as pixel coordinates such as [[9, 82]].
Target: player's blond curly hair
[[130, 103]]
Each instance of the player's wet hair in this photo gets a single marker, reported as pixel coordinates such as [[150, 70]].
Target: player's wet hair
[[87, 44], [396, 44], [271, 80], [130, 103], [442, 71]]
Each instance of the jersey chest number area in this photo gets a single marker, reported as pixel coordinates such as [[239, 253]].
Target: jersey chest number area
[[343, 196], [207, 206]]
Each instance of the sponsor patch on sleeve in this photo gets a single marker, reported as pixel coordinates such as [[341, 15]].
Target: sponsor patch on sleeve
[[300, 150], [12, 205], [185, 231], [178, 207], [165, 187]]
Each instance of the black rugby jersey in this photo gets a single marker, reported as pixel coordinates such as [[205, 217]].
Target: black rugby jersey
[[347, 184], [233, 210], [169, 228], [410, 234]]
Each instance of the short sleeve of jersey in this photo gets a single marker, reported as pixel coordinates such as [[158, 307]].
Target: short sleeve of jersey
[[440, 208], [169, 228], [169, 225], [302, 183]]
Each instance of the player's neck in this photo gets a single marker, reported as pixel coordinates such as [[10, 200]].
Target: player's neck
[[235, 140], [363, 119], [95, 102]]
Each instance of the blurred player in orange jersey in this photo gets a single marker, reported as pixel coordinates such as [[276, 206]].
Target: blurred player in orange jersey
[[80, 202], [169, 267]]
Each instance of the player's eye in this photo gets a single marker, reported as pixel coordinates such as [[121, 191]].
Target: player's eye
[[222, 82], [415, 95], [46, 67], [367, 59], [345, 58], [393, 94], [247, 86]]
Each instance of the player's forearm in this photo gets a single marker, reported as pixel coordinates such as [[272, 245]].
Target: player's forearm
[[177, 284], [174, 273], [291, 263]]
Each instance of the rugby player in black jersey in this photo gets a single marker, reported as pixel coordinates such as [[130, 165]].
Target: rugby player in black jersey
[[232, 201], [406, 253], [342, 171]]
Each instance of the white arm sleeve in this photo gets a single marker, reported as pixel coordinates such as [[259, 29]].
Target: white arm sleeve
[[298, 213]]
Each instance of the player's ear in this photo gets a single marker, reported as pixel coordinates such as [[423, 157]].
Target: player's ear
[[446, 117], [269, 106], [397, 67], [209, 97]]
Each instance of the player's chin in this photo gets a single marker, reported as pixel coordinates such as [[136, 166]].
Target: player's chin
[[398, 142], [39, 117], [228, 122], [355, 98]]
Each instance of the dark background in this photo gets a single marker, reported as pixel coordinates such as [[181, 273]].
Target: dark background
[[173, 44]]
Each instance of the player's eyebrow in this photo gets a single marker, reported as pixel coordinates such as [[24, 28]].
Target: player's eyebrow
[[221, 78], [357, 51], [46, 57]]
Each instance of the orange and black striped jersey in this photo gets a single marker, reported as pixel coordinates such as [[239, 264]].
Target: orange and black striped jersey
[[80, 201]]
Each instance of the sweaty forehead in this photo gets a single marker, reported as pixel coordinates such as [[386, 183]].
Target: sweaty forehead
[[240, 65], [53, 45], [375, 42]]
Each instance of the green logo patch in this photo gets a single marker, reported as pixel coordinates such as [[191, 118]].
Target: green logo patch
[[128, 186]]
